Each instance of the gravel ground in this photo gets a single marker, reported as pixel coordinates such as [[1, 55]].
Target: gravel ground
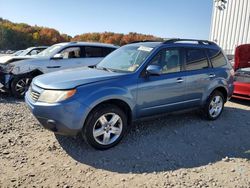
[[178, 150]]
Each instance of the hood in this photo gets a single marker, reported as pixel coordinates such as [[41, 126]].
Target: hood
[[71, 78], [10, 59], [242, 57]]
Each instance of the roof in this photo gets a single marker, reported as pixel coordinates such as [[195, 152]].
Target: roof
[[180, 43], [88, 44]]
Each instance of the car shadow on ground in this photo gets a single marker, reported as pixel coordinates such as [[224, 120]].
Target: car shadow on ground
[[170, 143], [240, 101], [7, 98]]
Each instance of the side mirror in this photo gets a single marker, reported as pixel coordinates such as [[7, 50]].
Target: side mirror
[[57, 56], [154, 70]]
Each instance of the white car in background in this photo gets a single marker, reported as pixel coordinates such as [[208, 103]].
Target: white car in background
[[22, 54], [17, 76]]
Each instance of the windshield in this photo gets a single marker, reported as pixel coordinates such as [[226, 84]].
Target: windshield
[[125, 59], [17, 53], [50, 50], [25, 52]]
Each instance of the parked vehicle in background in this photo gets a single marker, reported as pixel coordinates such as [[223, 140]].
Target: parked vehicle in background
[[33, 50], [242, 72], [135, 81], [22, 54], [17, 53], [9, 51], [17, 76]]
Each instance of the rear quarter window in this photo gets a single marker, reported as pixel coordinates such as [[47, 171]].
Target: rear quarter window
[[217, 58]]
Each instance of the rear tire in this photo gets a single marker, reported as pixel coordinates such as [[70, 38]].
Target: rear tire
[[19, 86], [105, 127], [214, 105]]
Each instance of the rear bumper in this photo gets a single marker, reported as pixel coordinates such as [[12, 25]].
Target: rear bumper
[[241, 90]]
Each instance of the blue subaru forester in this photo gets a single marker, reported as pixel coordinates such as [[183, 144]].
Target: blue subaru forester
[[137, 80]]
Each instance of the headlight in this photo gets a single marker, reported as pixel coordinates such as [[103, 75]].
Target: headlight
[[53, 96]]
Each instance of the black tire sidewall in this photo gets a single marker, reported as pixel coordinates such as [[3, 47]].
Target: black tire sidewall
[[215, 93], [13, 85], [94, 116]]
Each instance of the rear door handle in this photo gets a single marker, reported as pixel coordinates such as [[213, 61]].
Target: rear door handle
[[211, 75], [180, 80], [53, 67]]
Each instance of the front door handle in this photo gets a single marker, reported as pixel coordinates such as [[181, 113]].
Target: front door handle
[[53, 67], [211, 75], [180, 80]]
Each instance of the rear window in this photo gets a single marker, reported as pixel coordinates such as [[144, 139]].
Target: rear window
[[217, 58], [196, 59]]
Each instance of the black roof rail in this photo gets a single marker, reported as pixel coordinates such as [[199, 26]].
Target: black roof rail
[[145, 41], [170, 41]]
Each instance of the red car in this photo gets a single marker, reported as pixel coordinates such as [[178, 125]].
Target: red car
[[242, 72]]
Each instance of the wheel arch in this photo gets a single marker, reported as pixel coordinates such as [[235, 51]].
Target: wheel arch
[[33, 73], [120, 103], [221, 89]]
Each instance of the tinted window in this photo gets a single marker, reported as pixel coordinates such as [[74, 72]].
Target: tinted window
[[217, 58], [107, 51], [93, 51], [196, 59], [169, 60]]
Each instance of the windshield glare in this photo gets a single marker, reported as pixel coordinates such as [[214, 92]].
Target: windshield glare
[[50, 51], [126, 59]]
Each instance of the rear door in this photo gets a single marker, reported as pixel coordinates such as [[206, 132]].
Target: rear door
[[199, 74]]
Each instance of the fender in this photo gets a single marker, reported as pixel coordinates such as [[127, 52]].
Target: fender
[[104, 94], [25, 69], [217, 83], [33, 73]]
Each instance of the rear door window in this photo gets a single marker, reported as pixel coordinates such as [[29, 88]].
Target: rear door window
[[91, 51], [217, 58], [196, 59], [107, 51]]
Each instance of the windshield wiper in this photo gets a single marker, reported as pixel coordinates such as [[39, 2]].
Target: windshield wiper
[[104, 68]]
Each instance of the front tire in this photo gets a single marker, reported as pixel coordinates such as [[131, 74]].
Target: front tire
[[19, 85], [214, 105], [105, 127]]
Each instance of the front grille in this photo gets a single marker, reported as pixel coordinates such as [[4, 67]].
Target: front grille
[[34, 95]]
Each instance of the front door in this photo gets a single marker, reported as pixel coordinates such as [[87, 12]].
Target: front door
[[165, 92]]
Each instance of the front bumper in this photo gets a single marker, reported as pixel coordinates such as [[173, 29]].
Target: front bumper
[[65, 118], [5, 81], [241, 90]]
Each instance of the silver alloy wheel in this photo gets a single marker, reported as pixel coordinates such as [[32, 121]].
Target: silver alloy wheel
[[215, 106], [107, 128], [22, 85]]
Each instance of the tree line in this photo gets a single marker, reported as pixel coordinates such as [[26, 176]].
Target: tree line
[[15, 36]]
